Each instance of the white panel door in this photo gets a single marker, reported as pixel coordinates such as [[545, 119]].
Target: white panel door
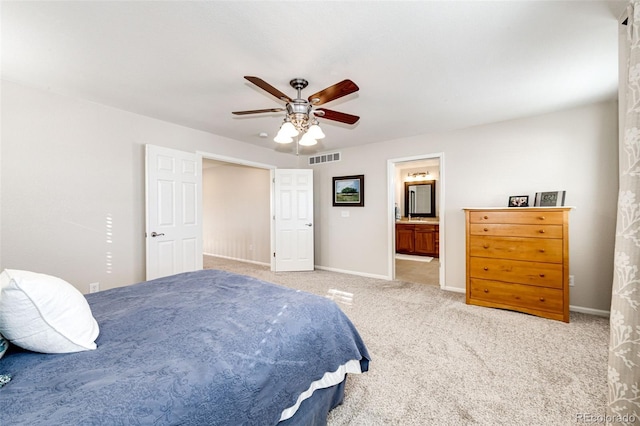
[[294, 220], [173, 206]]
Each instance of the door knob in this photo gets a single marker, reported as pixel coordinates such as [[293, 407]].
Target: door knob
[[308, 224], [155, 234]]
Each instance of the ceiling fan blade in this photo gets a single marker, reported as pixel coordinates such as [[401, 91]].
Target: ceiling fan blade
[[338, 90], [336, 116], [268, 88], [257, 111]]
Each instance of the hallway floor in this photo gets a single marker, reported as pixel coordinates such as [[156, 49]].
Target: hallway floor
[[418, 272]]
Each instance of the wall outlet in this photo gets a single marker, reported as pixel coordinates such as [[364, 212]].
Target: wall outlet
[[94, 287], [572, 280]]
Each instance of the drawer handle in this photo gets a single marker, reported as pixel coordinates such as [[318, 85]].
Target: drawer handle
[[486, 246], [542, 299], [486, 229], [541, 250], [486, 217], [486, 268], [486, 290], [542, 231], [542, 218], [541, 275]]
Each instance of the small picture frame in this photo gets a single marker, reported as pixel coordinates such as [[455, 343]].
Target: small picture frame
[[519, 201], [348, 191], [550, 199]]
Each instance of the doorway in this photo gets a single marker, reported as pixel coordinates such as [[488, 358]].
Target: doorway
[[418, 255], [236, 209], [251, 211]]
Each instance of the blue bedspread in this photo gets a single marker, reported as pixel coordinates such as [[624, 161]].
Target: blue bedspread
[[200, 348]]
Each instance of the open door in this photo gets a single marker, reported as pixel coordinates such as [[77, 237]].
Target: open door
[[293, 192], [173, 185]]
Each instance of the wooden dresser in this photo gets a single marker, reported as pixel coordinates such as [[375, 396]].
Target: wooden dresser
[[518, 259]]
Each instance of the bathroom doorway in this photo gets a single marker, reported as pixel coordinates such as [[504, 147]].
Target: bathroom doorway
[[416, 226]]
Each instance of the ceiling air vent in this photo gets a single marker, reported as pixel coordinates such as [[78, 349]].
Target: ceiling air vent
[[324, 158]]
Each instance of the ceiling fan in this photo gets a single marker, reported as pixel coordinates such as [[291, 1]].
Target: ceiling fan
[[301, 113]]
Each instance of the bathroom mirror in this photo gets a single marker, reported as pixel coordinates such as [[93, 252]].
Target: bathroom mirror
[[420, 198]]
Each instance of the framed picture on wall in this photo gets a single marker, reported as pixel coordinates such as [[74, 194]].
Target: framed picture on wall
[[550, 199], [348, 191], [519, 201]]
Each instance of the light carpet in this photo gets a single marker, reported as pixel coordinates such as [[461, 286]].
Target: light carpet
[[438, 361]]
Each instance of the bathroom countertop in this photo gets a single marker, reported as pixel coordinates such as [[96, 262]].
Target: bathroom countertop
[[426, 220]]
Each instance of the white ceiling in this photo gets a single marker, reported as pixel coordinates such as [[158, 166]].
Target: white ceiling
[[422, 67]]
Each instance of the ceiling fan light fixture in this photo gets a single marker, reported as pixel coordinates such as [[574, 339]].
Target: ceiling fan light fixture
[[307, 140], [315, 131], [299, 116], [282, 138], [288, 129]]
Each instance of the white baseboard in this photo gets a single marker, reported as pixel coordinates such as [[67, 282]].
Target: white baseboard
[[361, 274], [454, 289], [255, 262], [590, 311]]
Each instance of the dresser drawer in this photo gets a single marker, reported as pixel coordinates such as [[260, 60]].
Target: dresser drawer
[[515, 271], [516, 248], [512, 230], [517, 295], [520, 217]]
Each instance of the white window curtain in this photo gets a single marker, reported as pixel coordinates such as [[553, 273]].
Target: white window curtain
[[624, 347]]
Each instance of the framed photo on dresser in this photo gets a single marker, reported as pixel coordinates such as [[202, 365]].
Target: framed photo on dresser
[[550, 199], [519, 201]]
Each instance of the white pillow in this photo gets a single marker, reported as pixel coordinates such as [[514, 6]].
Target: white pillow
[[45, 314]]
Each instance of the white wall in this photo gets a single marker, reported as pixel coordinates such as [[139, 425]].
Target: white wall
[[69, 166], [574, 150], [236, 212]]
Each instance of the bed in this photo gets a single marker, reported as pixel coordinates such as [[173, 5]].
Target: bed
[[200, 348]]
